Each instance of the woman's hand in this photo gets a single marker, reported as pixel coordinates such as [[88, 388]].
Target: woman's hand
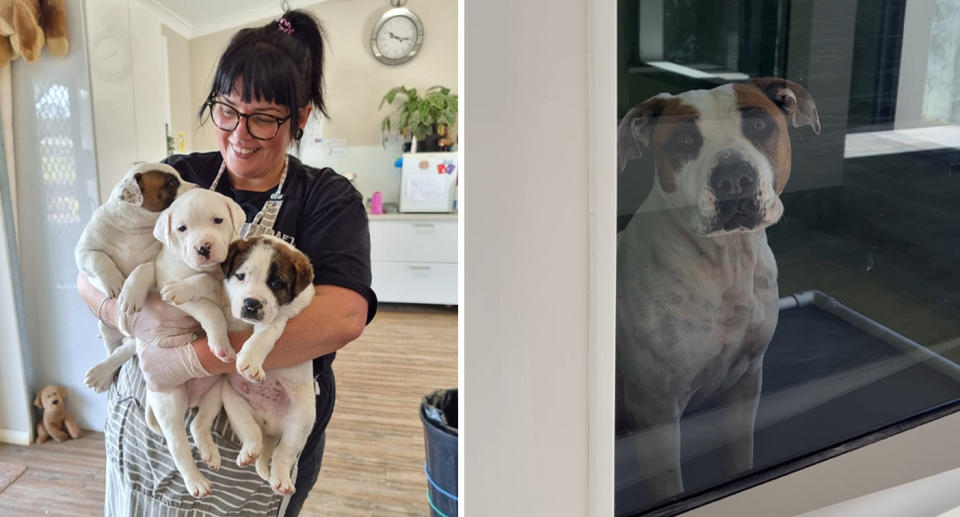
[[160, 324], [166, 368]]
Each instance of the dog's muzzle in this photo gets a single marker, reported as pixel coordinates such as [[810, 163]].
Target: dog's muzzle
[[734, 183], [204, 250], [251, 309]]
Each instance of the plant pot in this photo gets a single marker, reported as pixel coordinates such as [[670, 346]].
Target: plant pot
[[429, 144]]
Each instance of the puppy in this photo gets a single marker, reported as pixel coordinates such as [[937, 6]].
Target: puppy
[[118, 238], [195, 231], [267, 281], [696, 281]]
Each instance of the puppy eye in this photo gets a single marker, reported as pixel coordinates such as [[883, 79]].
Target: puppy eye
[[217, 220], [275, 283], [182, 228], [240, 276]]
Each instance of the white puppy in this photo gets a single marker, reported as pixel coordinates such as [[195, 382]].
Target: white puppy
[[118, 238], [196, 232]]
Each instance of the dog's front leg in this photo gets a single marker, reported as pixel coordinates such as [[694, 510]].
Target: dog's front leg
[[255, 349], [736, 419], [211, 318], [169, 408], [191, 288], [99, 265], [133, 296]]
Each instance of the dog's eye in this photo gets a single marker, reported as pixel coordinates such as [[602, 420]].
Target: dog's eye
[[182, 228], [240, 276], [756, 127], [217, 220], [275, 283]]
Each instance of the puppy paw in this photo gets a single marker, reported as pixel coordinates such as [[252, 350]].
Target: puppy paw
[[112, 284], [197, 485], [263, 468], [211, 457], [177, 293], [221, 349], [99, 378], [282, 486], [130, 303], [251, 372], [247, 456]]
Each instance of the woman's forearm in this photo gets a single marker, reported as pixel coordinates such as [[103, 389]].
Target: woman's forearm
[[100, 305], [335, 317]]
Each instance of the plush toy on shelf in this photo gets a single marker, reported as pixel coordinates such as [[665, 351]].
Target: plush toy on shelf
[[56, 422], [26, 24]]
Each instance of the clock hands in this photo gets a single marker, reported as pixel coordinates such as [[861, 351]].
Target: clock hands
[[394, 36]]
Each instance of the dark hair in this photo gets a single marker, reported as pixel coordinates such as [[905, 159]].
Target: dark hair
[[273, 64]]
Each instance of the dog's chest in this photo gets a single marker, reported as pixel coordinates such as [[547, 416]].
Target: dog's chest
[[270, 400]]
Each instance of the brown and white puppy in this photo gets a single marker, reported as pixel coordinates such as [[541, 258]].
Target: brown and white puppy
[[268, 281], [118, 238], [696, 280]]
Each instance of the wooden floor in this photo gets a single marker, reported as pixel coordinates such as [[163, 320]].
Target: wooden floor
[[373, 465]]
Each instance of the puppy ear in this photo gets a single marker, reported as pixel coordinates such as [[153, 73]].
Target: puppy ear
[[63, 392], [636, 130], [237, 216], [234, 256], [303, 273], [131, 190], [792, 99], [161, 229], [36, 400]]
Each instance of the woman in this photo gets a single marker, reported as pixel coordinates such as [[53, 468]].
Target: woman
[[268, 81]]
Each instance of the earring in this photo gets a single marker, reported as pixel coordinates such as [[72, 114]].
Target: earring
[[299, 134]]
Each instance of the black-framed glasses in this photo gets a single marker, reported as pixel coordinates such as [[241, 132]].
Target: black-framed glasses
[[260, 125]]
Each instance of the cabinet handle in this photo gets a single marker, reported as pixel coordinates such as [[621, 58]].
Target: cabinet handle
[[419, 268], [423, 227]]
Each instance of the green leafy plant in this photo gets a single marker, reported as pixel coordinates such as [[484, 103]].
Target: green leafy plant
[[416, 116]]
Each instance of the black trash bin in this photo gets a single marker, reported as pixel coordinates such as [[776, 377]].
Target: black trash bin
[[438, 412]]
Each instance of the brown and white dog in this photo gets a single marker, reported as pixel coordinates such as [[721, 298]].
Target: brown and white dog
[[268, 282], [696, 280], [118, 238]]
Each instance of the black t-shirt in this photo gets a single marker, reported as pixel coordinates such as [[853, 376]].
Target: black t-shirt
[[323, 216]]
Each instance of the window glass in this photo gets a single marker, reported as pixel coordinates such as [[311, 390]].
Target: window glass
[[788, 234]]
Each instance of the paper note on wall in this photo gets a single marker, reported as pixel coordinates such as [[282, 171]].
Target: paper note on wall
[[426, 187]]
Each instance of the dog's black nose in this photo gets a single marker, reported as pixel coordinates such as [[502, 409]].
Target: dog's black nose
[[204, 250], [251, 308], [55, 402], [734, 178]]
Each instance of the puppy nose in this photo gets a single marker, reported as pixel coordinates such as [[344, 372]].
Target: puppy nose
[[204, 250], [55, 402], [251, 308], [733, 178]]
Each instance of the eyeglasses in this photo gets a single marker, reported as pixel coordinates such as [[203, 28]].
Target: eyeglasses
[[260, 125]]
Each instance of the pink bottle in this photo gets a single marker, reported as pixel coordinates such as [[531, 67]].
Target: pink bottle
[[376, 203]]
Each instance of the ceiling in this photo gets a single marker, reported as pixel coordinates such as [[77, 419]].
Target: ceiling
[[195, 18]]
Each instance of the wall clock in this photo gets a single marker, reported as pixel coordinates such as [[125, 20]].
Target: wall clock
[[397, 36]]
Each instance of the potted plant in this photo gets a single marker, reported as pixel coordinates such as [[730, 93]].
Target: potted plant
[[428, 119]]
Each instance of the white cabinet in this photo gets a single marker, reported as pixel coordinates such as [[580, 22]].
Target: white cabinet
[[414, 258]]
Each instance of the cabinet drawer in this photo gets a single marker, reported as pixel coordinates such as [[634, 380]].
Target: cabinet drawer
[[413, 241], [415, 282]]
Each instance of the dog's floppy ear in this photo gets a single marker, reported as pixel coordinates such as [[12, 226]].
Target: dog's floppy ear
[[235, 254], [797, 105], [36, 400], [161, 229], [131, 190], [636, 130], [303, 273], [63, 392], [237, 215]]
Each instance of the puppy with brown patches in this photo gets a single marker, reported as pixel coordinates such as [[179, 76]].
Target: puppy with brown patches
[[697, 299], [118, 238]]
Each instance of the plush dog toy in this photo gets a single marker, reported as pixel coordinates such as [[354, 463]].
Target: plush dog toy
[[26, 24], [56, 422]]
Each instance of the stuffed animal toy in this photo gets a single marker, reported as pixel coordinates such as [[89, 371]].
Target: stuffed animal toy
[[55, 417], [26, 24]]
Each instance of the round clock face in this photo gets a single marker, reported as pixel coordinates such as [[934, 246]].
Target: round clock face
[[396, 37]]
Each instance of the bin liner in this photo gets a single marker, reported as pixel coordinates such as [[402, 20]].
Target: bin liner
[[438, 412]]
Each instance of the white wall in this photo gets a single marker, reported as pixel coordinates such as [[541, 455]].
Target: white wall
[[524, 141]]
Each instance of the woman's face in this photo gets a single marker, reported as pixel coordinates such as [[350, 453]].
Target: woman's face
[[250, 160]]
